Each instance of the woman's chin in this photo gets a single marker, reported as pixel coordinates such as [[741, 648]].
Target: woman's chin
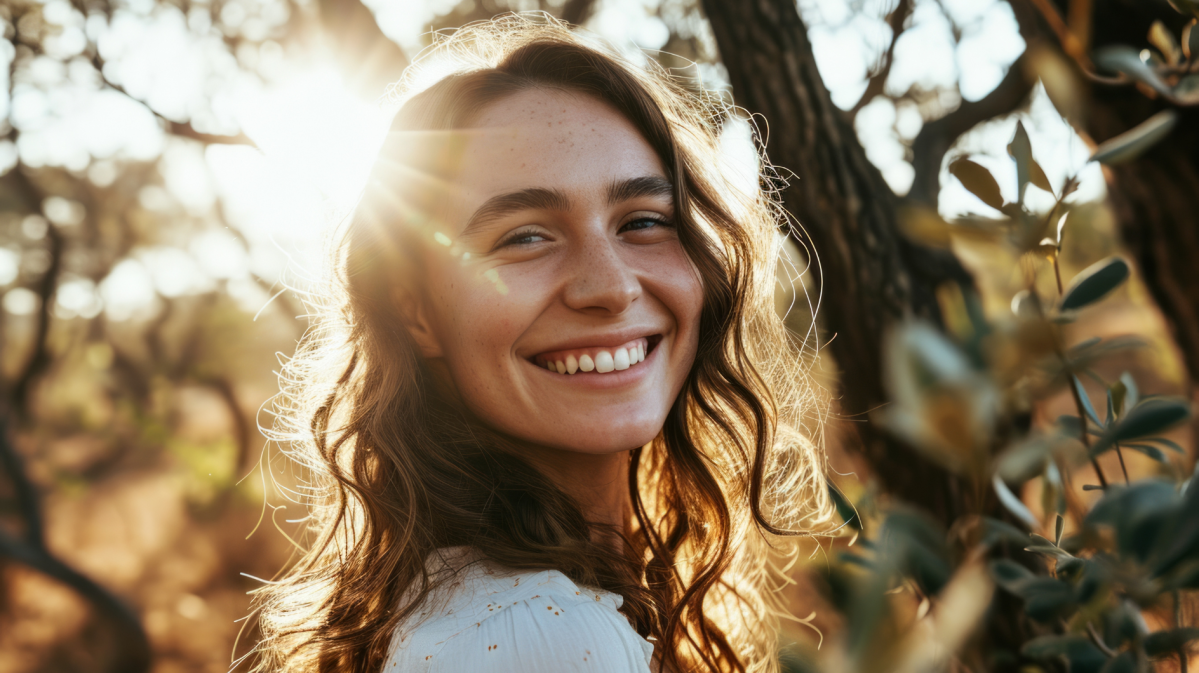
[[598, 439]]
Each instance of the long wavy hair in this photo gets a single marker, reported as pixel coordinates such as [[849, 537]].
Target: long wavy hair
[[398, 469]]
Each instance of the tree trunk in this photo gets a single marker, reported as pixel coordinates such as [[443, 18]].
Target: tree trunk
[[1156, 197], [869, 275]]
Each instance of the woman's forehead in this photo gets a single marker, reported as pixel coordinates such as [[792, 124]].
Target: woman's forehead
[[546, 138]]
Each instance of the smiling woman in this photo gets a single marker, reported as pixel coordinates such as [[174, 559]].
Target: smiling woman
[[551, 416]]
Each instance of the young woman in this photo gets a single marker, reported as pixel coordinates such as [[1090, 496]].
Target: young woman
[[552, 417]]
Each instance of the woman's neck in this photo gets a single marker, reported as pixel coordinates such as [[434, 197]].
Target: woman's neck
[[599, 483]]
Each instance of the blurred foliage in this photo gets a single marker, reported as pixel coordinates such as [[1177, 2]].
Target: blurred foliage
[[1103, 575]]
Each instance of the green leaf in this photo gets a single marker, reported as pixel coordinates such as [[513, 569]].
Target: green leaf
[[1130, 144], [1069, 569], [1042, 540], [1086, 401], [1122, 663], [1071, 426], [1163, 643], [930, 572], [1133, 395], [1151, 451], [1122, 506], [1184, 536], [1080, 653], [844, 508], [1049, 551], [1011, 503], [996, 531], [1168, 443], [1025, 459], [1187, 89], [978, 181], [1010, 575], [1095, 282], [1021, 150], [1038, 177], [1047, 599], [1115, 399], [1127, 60], [1152, 416]]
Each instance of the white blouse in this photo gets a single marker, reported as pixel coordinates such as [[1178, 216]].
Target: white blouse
[[489, 619]]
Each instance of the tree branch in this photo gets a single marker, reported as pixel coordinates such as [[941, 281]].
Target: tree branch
[[23, 490], [186, 131], [134, 654], [878, 80], [935, 139], [182, 129], [39, 360], [242, 431]]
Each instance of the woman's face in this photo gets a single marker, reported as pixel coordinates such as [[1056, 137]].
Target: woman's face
[[563, 307]]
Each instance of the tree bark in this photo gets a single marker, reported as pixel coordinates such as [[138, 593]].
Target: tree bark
[[1156, 197], [870, 276]]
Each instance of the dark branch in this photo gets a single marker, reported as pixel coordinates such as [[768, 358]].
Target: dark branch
[[23, 490], [182, 129], [878, 79], [242, 431], [186, 131], [134, 650], [935, 139], [39, 360]]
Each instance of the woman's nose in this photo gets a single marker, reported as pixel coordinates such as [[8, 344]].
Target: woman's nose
[[600, 278]]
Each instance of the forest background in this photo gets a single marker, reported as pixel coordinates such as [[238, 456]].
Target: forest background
[[168, 170]]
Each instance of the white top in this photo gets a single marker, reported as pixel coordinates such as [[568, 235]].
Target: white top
[[492, 619]]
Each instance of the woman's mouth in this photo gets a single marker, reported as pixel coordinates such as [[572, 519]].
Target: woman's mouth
[[599, 359]]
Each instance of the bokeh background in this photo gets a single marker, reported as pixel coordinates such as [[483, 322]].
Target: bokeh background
[[168, 172]]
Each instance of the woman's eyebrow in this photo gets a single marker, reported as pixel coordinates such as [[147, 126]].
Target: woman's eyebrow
[[533, 198], [633, 188]]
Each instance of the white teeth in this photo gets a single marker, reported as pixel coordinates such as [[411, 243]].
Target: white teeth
[[621, 359], [618, 359]]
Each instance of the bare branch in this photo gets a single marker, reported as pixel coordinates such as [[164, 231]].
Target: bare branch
[[134, 651], [39, 360], [186, 131], [26, 495], [935, 139], [242, 431], [181, 129], [878, 79]]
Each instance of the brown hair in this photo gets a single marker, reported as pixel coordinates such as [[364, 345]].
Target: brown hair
[[400, 470]]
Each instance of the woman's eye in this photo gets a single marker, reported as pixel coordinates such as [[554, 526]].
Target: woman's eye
[[521, 238], [644, 223]]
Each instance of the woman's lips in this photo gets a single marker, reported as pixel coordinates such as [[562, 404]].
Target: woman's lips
[[599, 359]]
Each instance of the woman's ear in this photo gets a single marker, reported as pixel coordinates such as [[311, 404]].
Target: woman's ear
[[413, 310]]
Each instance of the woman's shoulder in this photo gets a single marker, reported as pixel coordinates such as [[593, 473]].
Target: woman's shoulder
[[488, 618]]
